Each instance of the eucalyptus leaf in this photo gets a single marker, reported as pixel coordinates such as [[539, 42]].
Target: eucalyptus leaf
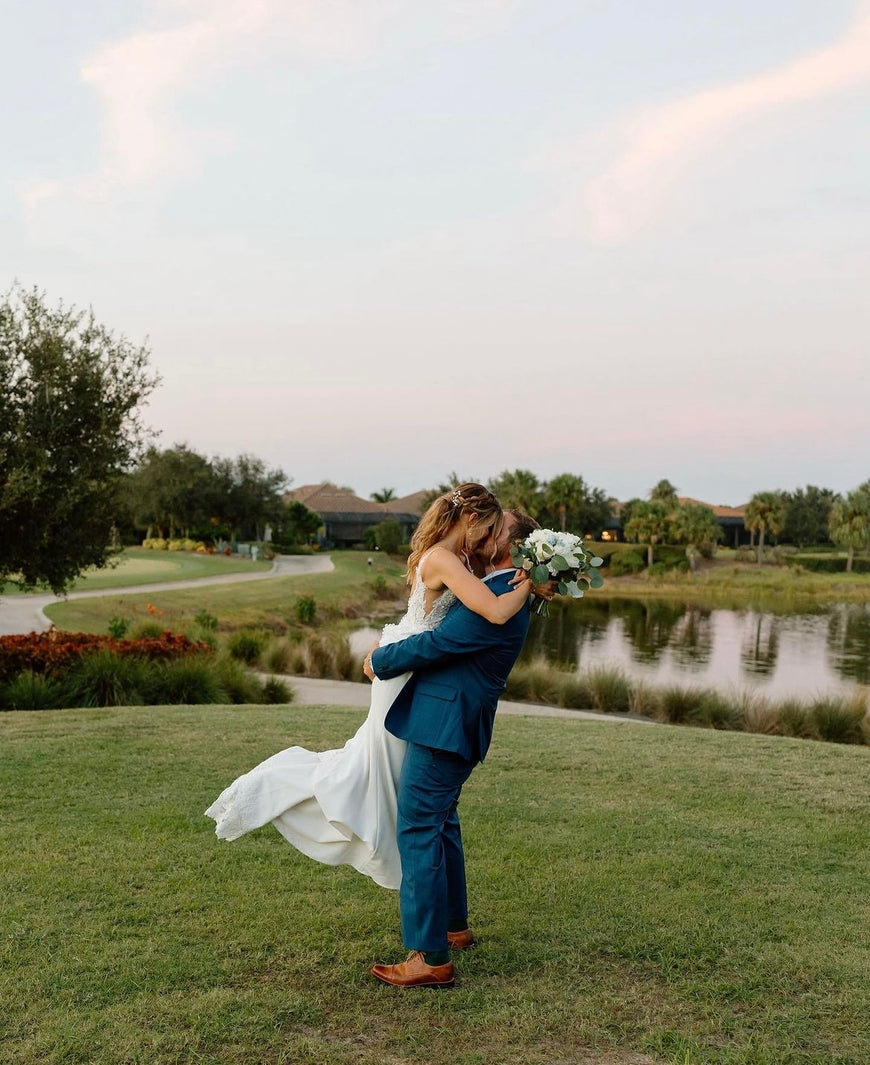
[[540, 574], [595, 579], [595, 561]]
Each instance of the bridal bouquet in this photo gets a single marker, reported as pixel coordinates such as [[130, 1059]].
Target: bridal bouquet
[[546, 555]]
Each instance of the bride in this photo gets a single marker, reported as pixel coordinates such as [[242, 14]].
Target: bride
[[339, 806]]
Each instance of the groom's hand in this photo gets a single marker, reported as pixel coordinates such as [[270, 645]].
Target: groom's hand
[[546, 590]]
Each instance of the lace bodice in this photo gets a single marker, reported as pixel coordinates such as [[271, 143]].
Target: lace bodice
[[416, 619]]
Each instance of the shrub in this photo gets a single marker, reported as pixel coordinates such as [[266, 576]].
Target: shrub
[[610, 690], [575, 693], [105, 678], [533, 682], [678, 705], [206, 620], [838, 720], [238, 684], [118, 627], [147, 630], [305, 609], [247, 646], [276, 690], [758, 715], [795, 719], [718, 711], [626, 562], [279, 656], [644, 701], [190, 681], [32, 691], [322, 654]]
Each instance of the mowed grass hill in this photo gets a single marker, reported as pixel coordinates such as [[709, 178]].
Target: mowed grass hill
[[641, 895]]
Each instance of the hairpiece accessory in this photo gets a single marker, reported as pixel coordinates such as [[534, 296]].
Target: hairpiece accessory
[[456, 498]]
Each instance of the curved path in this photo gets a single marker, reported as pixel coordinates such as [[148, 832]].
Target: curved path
[[25, 613]]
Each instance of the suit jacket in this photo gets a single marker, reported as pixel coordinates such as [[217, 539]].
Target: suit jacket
[[460, 670]]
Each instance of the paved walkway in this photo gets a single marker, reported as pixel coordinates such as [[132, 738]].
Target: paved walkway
[[25, 613], [310, 691]]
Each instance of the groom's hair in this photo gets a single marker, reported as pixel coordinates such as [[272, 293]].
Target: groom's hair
[[523, 525]]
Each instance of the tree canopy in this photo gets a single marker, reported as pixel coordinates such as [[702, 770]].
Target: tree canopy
[[70, 402]]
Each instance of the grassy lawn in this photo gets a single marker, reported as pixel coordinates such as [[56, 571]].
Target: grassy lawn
[[740, 584], [140, 566], [641, 894], [346, 590]]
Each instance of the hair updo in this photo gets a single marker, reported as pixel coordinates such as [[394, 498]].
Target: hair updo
[[466, 499]]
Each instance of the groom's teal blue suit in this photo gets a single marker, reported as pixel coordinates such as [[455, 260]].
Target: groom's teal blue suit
[[446, 713]]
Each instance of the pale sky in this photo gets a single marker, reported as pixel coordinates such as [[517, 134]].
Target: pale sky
[[377, 241]]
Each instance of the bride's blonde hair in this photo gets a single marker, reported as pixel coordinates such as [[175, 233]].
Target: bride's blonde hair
[[468, 499]]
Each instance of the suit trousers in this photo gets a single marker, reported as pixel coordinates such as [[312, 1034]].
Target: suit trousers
[[433, 892]]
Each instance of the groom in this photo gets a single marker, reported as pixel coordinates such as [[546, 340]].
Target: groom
[[446, 713]]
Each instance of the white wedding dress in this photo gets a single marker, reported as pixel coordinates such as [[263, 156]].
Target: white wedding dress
[[338, 807]]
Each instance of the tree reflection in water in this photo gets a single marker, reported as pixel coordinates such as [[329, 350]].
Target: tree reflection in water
[[760, 644], [848, 641]]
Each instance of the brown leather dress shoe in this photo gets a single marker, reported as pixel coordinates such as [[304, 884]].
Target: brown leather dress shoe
[[463, 940], [414, 972]]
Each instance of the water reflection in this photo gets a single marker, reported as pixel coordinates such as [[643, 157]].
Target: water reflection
[[760, 644], [780, 655]]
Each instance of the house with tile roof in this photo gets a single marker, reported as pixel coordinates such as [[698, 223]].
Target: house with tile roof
[[348, 517], [729, 519]]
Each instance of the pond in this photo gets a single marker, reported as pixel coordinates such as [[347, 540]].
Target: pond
[[823, 651]]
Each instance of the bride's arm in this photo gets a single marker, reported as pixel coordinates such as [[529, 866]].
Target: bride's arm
[[442, 566]]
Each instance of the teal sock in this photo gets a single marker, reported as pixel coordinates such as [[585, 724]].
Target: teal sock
[[436, 957]]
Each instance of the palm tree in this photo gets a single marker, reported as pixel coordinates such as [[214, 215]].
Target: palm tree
[[664, 492], [850, 522], [384, 496], [518, 490], [648, 524], [693, 525], [565, 495], [765, 512]]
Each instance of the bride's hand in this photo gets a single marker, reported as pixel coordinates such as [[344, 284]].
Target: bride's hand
[[518, 578], [546, 590]]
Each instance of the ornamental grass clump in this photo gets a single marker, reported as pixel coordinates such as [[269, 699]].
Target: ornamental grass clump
[[678, 706], [237, 683], [610, 689], [278, 656], [247, 646], [794, 719], [574, 692], [323, 654], [718, 711], [534, 682], [106, 678], [277, 691], [839, 720], [186, 681], [32, 691]]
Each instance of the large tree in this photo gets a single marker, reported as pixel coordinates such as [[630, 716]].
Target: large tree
[[247, 494], [664, 492], [765, 513], [694, 525], [71, 394], [172, 491], [649, 524], [569, 503], [850, 522], [518, 490], [807, 514]]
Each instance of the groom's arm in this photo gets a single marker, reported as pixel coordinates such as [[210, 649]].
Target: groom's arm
[[462, 632]]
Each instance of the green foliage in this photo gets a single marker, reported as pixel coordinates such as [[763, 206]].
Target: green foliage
[[277, 691], [32, 691], [610, 690], [623, 562], [147, 630], [807, 515], [297, 524], [837, 721], [118, 627], [765, 513], [69, 429], [850, 522], [106, 678], [191, 680], [388, 536], [236, 683], [206, 620], [305, 609], [246, 645], [278, 656], [828, 563]]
